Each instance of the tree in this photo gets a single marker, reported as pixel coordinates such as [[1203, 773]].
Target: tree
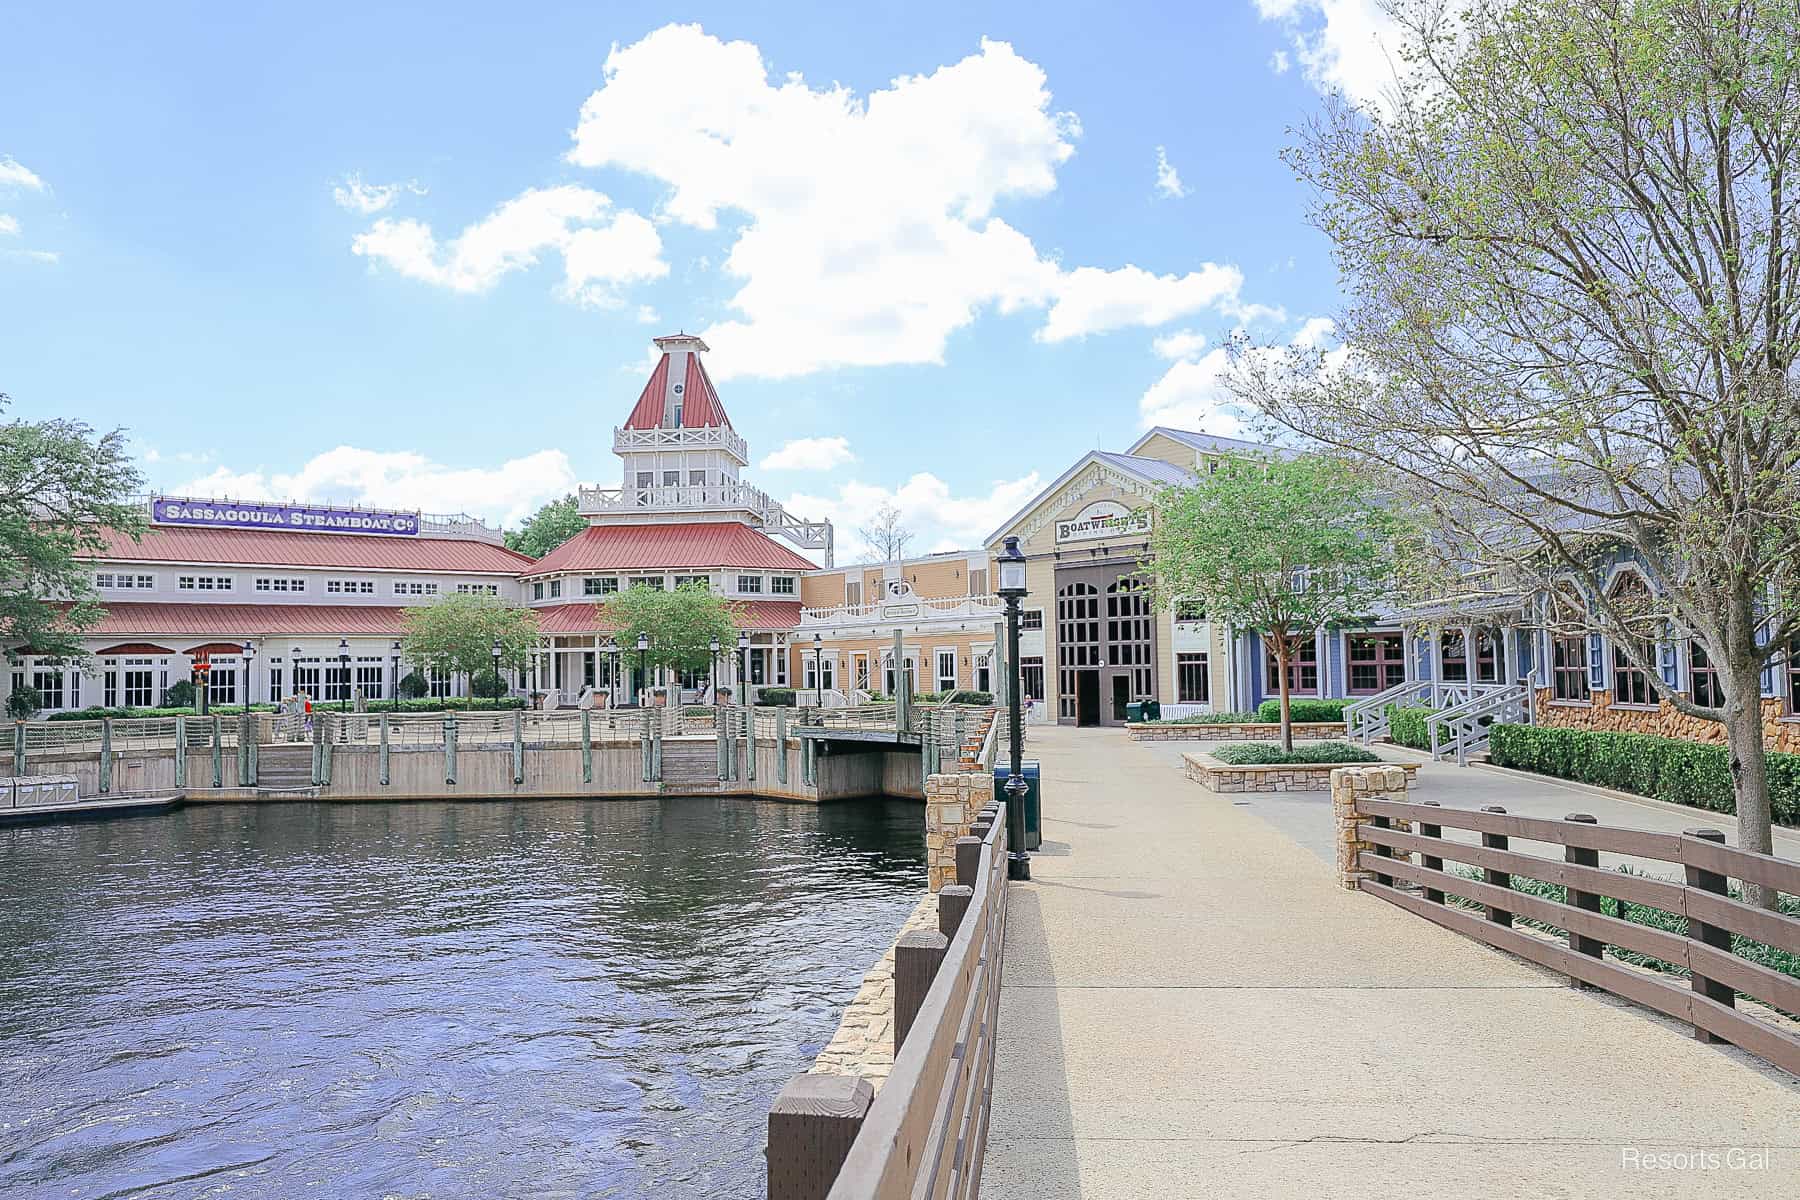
[[456, 634], [680, 624], [547, 528], [885, 536], [1284, 546], [61, 490], [1569, 246]]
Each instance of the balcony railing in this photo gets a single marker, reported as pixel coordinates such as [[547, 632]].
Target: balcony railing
[[714, 437], [705, 498], [907, 608]]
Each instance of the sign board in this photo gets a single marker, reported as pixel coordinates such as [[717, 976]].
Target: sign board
[[314, 518], [1103, 519]]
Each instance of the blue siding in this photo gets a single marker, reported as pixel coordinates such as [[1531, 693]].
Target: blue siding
[[1256, 671], [1335, 685]]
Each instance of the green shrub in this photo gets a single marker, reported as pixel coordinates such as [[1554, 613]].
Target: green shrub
[[179, 694], [414, 686], [24, 703], [1217, 718], [1302, 710], [488, 685], [966, 696], [94, 714], [1679, 772], [443, 704], [1271, 754], [776, 697], [1407, 726]]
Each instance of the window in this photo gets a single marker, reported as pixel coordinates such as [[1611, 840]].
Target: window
[[853, 593], [750, 584], [1303, 668], [696, 478], [353, 587], [412, 587], [369, 676], [781, 585], [222, 682], [1487, 656], [1192, 685], [280, 584], [1630, 684], [978, 581], [946, 670], [537, 590], [1377, 662], [682, 581], [599, 586], [139, 679], [1703, 677], [1031, 618], [1455, 656], [478, 589], [49, 684], [912, 675], [440, 683], [1031, 676], [120, 581], [275, 693], [1793, 675], [649, 581], [645, 481], [1189, 611], [203, 583], [555, 589], [1568, 668], [671, 478]]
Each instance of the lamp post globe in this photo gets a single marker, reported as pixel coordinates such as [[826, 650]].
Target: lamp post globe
[[1012, 590], [643, 648], [611, 652], [818, 671]]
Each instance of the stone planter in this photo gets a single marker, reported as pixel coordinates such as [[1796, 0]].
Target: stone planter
[[1257, 731], [1232, 778]]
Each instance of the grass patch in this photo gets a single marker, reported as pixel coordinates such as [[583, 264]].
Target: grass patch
[[1240, 754]]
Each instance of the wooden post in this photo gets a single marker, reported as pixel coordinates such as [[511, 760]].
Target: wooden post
[[968, 860], [450, 749], [1712, 935], [255, 754], [318, 750], [19, 745], [246, 739], [902, 693], [218, 751], [1583, 856], [1431, 861], [953, 902], [1383, 851], [983, 826], [106, 757], [1001, 676], [644, 743], [1503, 879], [917, 956], [381, 725], [656, 744], [518, 747], [781, 747], [811, 1126], [720, 736], [587, 745], [181, 753], [749, 743], [330, 749]]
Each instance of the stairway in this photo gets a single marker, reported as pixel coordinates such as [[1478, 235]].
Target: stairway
[[284, 768], [974, 734], [690, 768]]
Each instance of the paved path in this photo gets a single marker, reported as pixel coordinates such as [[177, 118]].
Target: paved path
[[1193, 1007]]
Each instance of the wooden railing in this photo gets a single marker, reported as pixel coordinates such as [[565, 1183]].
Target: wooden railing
[[926, 1133], [1712, 917]]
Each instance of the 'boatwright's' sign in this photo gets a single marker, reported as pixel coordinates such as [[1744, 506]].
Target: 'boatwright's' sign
[[315, 518], [1103, 519]]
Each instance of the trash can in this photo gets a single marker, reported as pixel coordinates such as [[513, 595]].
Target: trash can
[[1134, 712], [1153, 710], [1034, 798]]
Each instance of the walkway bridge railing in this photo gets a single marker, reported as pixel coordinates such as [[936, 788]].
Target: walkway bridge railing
[[925, 1134]]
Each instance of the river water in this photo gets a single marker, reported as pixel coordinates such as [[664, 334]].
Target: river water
[[543, 999]]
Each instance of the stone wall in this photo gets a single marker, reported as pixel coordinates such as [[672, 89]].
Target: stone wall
[[864, 1042], [1348, 786], [1229, 778], [1780, 731], [951, 802], [1258, 731]]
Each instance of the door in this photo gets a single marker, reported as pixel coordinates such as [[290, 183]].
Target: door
[[1087, 697], [1121, 696]]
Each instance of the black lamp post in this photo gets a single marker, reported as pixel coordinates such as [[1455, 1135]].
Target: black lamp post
[[294, 670], [1012, 590], [611, 651], [344, 667], [712, 672], [818, 671], [495, 650], [643, 666], [744, 666], [249, 662]]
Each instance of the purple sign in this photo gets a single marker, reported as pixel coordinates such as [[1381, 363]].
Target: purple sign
[[314, 518]]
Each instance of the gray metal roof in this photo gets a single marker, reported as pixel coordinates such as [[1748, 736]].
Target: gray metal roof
[[1214, 444], [1153, 469]]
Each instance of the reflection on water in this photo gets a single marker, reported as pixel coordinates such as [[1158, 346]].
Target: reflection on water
[[428, 1000]]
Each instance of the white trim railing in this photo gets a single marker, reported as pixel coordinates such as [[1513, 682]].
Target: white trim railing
[[1463, 729]]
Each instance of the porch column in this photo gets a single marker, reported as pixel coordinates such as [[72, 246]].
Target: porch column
[[1437, 664]]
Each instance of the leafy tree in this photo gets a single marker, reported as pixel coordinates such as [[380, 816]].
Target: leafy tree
[[413, 686], [179, 694], [24, 703], [487, 685], [886, 538], [680, 624], [547, 528], [456, 634], [1284, 546], [61, 489], [1571, 251]]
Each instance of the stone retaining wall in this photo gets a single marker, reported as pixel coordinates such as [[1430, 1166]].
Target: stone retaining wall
[[1348, 786], [863, 1045], [1781, 731], [1249, 731], [951, 802], [1216, 776]]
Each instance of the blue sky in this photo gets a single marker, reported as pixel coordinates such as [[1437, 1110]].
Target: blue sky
[[415, 254]]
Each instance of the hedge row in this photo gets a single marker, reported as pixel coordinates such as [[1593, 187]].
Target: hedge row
[[94, 714], [1302, 710], [1407, 726], [1269, 753], [1663, 768]]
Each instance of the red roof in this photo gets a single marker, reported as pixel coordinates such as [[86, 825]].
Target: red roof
[[273, 548], [669, 547], [700, 407], [649, 410], [758, 616], [240, 621]]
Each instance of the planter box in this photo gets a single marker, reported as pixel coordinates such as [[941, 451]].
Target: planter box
[[1216, 776], [1258, 731]]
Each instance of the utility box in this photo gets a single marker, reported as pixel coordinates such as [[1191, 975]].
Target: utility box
[[1153, 710], [1034, 798], [1134, 711]]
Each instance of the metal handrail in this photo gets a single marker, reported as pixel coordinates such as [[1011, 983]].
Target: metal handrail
[[1464, 721], [1367, 719]]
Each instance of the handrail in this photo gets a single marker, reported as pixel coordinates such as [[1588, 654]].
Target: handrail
[[1367, 719], [1464, 721]]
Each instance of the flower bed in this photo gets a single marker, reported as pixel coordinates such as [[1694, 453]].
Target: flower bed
[[1241, 731], [1215, 775]]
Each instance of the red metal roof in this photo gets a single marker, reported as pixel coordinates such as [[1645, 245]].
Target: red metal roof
[[648, 412], [274, 548], [701, 408], [757, 616], [240, 621], [669, 547]]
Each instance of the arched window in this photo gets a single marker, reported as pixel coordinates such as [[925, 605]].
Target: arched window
[[1632, 684]]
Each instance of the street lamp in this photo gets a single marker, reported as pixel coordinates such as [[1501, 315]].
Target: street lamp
[[611, 650], [1012, 590], [712, 672], [344, 668], [818, 675], [643, 666], [249, 651], [294, 670], [495, 650], [744, 666]]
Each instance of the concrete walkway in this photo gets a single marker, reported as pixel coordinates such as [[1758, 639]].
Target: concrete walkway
[[1193, 1007]]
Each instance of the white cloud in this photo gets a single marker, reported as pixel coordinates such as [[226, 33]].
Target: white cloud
[[14, 174], [1168, 179], [1278, 62], [1091, 300], [601, 250], [1183, 343], [809, 454], [938, 518], [50, 257], [353, 195], [1344, 45], [1314, 332], [8, 225], [862, 228], [507, 493], [1192, 395]]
